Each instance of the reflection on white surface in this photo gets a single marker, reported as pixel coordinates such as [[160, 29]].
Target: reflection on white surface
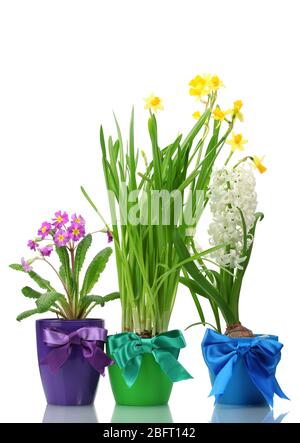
[[70, 414], [245, 414], [142, 414]]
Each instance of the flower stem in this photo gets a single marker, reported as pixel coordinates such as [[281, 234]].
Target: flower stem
[[58, 312], [64, 285], [242, 161], [228, 158], [75, 295]]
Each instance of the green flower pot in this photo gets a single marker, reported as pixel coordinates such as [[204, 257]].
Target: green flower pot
[[152, 387]]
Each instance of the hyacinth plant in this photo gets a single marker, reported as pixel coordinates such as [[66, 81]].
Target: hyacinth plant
[[144, 247], [233, 203], [70, 242]]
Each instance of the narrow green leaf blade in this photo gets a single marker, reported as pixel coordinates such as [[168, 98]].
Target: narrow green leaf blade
[[63, 255], [81, 252], [94, 270], [193, 286], [206, 287], [194, 131]]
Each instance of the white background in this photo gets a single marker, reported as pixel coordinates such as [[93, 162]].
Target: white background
[[65, 65]]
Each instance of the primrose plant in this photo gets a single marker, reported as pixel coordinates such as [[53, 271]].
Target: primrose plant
[[67, 237]]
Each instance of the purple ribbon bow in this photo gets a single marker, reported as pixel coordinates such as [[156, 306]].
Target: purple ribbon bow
[[87, 338]]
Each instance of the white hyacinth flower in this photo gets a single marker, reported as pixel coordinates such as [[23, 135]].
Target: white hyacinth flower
[[231, 191]]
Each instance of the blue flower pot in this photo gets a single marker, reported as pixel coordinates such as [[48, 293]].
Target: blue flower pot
[[242, 370], [240, 390]]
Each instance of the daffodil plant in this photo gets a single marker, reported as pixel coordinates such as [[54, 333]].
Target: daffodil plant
[[69, 240], [148, 265]]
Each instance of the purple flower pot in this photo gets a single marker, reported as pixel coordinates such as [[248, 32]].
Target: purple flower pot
[[75, 382]]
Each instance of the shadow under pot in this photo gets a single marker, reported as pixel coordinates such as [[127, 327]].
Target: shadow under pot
[[145, 368], [71, 358], [242, 370]]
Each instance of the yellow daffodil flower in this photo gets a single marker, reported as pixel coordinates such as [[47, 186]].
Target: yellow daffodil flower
[[199, 86], [215, 83], [220, 115], [237, 106], [196, 115], [154, 103], [203, 85], [197, 81], [237, 142], [258, 164]]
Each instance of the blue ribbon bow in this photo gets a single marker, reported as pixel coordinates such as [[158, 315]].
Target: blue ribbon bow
[[260, 354]]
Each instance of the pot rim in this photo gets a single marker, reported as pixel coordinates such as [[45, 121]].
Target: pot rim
[[131, 331], [69, 321], [244, 339]]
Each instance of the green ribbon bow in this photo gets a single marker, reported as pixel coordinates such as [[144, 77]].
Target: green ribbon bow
[[128, 348]]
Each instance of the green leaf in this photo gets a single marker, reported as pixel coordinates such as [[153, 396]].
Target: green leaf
[[45, 301], [209, 158], [112, 165], [98, 299], [157, 160], [63, 255], [235, 294], [207, 289], [193, 286], [132, 160], [259, 216], [197, 127], [81, 251], [41, 282], [92, 204], [121, 162], [110, 297], [26, 314], [94, 270], [89, 199], [17, 267], [44, 284], [62, 273], [30, 293], [203, 323], [244, 226], [196, 300]]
